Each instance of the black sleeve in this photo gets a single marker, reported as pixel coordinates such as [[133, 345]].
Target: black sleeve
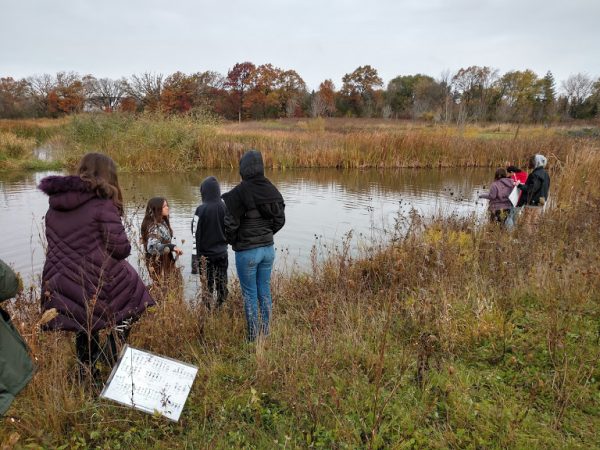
[[231, 227], [278, 216], [533, 185], [275, 212]]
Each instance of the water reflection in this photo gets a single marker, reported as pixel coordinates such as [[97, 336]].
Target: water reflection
[[319, 203]]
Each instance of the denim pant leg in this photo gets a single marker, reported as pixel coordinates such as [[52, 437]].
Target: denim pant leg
[[509, 223], [246, 264], [263, 284]]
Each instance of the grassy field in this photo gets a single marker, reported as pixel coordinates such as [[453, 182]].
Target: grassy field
[[453, 335], [155, 143]]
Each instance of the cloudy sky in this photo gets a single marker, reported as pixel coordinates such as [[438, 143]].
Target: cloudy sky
[[318, 38]]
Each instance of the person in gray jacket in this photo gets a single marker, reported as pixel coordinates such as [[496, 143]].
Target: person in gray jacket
[[500, 190]]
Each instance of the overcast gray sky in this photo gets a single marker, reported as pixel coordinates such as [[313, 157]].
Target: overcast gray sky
[[318, 38]]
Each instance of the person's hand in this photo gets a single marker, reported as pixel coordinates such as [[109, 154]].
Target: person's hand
[[178, 251]]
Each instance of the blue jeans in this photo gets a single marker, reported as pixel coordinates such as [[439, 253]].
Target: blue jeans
[[254, 271], [511, 220]]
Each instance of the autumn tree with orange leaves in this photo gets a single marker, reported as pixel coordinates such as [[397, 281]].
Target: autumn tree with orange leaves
[[358, 91], [239, 80], [274, 93], [323, 101]]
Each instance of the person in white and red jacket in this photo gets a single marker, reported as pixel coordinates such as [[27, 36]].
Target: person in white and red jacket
[[519, 177]]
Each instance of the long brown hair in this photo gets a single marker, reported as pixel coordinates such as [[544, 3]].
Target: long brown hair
[[500, 173], [154, 215], [100, 172]]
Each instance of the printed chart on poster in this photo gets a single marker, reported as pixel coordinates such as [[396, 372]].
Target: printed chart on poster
[[150, 383]]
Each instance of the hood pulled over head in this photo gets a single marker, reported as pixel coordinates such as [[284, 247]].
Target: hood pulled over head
[[540, 161], [210, 190], [251, 165]]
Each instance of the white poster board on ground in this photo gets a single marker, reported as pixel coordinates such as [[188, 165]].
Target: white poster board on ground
[[150, 383]]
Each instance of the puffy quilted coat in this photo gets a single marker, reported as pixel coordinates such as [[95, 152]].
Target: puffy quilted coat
[[86, 277], [499, 193]]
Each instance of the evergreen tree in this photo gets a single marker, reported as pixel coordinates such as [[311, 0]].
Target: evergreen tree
[[548, 96]]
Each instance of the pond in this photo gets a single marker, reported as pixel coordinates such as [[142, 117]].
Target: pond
[[322, 206]]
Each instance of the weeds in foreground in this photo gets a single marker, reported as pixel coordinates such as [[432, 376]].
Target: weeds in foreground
[[454, 335]]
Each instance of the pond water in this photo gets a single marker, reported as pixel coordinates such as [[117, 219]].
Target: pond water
[[322, 206]]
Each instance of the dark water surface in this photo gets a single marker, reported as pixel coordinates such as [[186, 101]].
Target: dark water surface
[[321, 207]]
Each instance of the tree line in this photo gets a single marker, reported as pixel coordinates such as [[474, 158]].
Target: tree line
[[251, 92]]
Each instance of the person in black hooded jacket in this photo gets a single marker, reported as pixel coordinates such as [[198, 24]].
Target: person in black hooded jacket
[[255, 212], [535, 189], [208, 228]]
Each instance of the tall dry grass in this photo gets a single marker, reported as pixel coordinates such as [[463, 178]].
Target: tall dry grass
[[20, 138], [154, 142], [38, 129], [15, 147]]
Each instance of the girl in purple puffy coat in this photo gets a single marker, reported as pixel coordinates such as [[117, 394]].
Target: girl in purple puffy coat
[[86, 277]]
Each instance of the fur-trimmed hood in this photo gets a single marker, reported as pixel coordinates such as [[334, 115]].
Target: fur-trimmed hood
[[66, 192]]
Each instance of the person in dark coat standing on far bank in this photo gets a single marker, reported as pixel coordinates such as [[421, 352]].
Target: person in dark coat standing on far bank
[[208, 228], [85, 277], [534, 191], [255, 212]]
